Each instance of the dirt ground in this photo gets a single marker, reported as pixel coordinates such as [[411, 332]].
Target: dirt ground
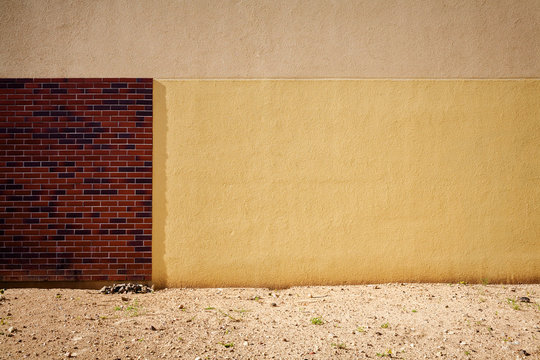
[[401, 321]]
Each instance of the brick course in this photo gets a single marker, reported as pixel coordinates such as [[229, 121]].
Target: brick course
[[75, 179]]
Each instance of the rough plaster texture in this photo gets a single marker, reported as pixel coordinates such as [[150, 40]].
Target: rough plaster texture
[[277, 183], [270, 39]]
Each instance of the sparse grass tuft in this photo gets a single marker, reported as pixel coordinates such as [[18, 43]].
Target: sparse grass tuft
[[241, 311], [387, 353], [317, 321], [385, 325], [341, 346], [133, 309], [513, 304]]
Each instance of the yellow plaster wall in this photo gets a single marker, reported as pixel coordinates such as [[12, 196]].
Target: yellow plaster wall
[[291, 182], [270, 38]]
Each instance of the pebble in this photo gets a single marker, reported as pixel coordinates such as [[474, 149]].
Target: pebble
[[273, 304], [523, 353], [524, 299], [11, 330]]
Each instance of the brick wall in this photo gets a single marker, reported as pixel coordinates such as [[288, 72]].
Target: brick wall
[[75, 179]]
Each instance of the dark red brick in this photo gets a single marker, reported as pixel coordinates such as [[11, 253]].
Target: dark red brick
[[75, 179]]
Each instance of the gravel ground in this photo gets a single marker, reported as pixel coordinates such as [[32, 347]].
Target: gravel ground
[[401, 321]]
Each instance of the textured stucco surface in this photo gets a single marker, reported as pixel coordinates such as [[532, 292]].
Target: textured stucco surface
[[277, 183], [270, 38]]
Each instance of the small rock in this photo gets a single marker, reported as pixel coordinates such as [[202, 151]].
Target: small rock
[[11, 330], [284, 339], [125, 298], [245, 343], [273, 304], [524, 299], [153, 328], [523, 353], [181, 307]]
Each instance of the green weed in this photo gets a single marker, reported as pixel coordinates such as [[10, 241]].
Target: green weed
[[387, 353], [133, 309], [513, 304]]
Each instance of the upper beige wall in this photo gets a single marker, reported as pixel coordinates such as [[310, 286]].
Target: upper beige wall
[[270, 39]]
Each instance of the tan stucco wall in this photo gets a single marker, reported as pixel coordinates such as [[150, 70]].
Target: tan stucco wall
[[277, 183], [270, 38]]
